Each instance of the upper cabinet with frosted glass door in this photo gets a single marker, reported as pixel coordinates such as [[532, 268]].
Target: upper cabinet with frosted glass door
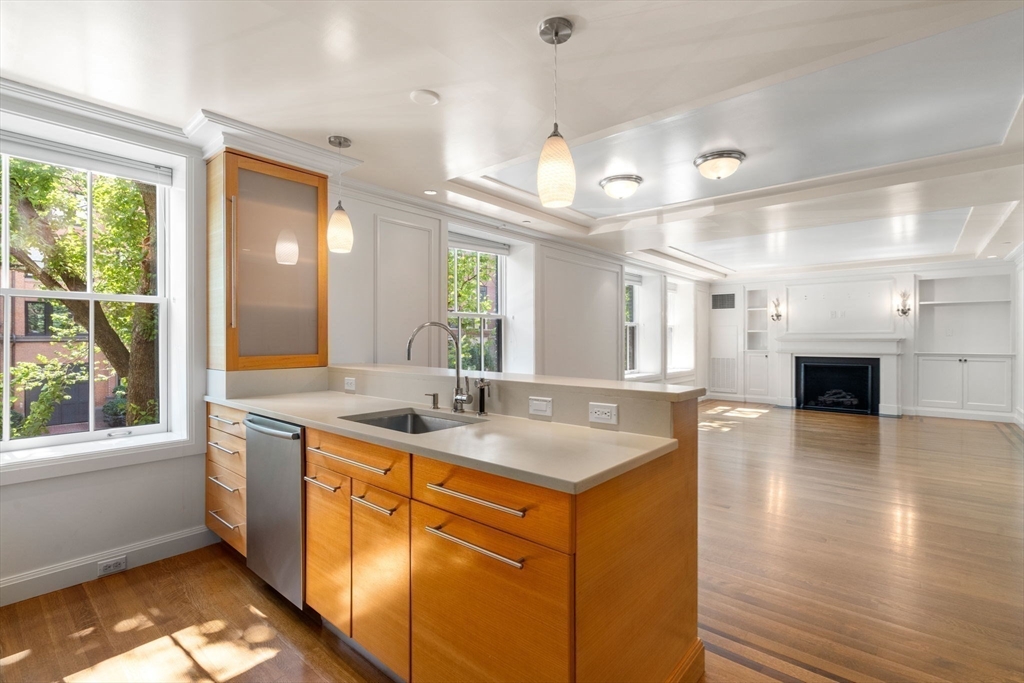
[[267, 264]]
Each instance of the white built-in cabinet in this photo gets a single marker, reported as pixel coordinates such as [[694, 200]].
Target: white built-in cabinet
[[757, 373], [964, 343], [965, 383], [756, 367]]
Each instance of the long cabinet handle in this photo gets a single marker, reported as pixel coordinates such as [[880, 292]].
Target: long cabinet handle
[[439, 488], [234, 263], [354, 463], [213, 513], [221, 448], [226, 421], [221, 484], [312, 480], [373, 506], [518, 564]]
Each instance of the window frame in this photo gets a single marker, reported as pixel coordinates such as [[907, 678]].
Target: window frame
[[499, 317], [631, 327], [9, 294]]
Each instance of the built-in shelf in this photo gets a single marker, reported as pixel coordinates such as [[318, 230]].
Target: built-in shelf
[[757, 320], [968, 316], [956, 303]]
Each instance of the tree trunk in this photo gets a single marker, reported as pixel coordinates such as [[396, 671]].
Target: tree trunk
[[143, 389]]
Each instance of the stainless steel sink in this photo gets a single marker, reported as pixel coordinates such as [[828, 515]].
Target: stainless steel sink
[[410, 421]]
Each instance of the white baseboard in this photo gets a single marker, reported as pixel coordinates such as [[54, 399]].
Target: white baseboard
[[1018, 417], [960, 414], [73, 572], [740, 398]]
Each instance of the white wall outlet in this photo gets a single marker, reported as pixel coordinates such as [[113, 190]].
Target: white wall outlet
[[350, 384], [605, 413], [540, 406], [112, 566]]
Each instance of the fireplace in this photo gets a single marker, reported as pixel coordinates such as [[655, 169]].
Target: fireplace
[[838, 385]]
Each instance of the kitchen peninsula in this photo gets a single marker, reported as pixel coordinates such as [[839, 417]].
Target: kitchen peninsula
[[488, 547]]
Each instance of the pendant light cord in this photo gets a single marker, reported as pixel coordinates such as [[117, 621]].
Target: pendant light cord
[[556, 80]]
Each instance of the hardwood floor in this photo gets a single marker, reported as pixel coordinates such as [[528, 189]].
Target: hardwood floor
[[832, 548]]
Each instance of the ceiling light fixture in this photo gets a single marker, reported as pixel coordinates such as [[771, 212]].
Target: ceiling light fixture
[[720, 164], [621, 186], [430, 193], [556, 173], [426, 98], [339, 229]]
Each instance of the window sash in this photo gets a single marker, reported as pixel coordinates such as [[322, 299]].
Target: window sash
[[8, 294]]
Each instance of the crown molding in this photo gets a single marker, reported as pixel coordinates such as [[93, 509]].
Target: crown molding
[[213, 132]]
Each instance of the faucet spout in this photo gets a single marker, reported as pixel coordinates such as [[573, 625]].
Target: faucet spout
[[460, 398]]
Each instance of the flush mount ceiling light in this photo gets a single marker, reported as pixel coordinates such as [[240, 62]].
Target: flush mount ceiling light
[[430, 193], [425, 98], [718, 165], [339, 228], [556, 173], [621, 186]]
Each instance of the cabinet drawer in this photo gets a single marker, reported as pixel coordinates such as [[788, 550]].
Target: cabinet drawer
[[376, 465], [528, 511], [479, 618], [226, 450], [226, 420], [225, 521], [229, 485], [380, 575], [328, 546]]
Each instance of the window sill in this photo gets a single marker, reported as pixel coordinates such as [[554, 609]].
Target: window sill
[[679, 374], [32, 464], [643, 377]]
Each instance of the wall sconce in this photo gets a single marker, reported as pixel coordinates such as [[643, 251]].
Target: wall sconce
[[776, 310], [903, 310]]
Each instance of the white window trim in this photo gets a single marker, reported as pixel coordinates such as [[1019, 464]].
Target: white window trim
[[181, 334], [636, 282], [465, 243]]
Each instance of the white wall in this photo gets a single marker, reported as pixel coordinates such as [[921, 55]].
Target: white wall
[[1018, 288]]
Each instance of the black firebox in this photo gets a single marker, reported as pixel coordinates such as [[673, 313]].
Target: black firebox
[[838, 385]]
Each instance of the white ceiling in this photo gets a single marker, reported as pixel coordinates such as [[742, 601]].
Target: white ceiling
[[311, 69]]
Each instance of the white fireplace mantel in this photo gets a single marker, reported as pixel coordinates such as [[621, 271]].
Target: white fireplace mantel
[[887, 348]]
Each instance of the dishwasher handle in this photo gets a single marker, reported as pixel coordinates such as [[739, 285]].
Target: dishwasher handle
[[263, 429]]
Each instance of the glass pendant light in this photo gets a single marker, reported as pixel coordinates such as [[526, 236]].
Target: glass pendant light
[[556, 173], [286, 251], [339, 229]]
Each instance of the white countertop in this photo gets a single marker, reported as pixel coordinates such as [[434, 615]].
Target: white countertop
[[558, 456]]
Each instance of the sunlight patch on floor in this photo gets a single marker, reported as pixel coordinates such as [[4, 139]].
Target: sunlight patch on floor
[[12, 659], [716, 425], [729, 411]]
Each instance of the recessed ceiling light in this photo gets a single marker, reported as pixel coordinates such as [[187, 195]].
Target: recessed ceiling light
[[720, 164], [621, 186], [430, 192], [993, 256], [426, 98], [628, 253]]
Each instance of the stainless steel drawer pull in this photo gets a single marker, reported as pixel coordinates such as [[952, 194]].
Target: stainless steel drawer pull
[[221, 448], [373, 506], [222, 484], [436, 530], [226, 421], [479, 501], [375, 470], [213, 513], [312, 480]]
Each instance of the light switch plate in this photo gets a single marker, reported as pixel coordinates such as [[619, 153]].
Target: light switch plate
[[350, 384], [605, 413], [540, 406]]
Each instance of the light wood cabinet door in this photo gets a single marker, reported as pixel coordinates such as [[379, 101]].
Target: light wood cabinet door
[[380, 575], [377, 465], [329, 546], [478, 617], [987, 384]]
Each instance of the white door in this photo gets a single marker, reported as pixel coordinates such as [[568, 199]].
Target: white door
[[940, 382], [757, 374], [987, 384]]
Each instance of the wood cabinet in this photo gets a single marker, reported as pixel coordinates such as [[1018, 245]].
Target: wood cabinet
[[487, 606], [225, 475], [380, 575], [965, 383], [384, 467], [329, 546], [266, 264]]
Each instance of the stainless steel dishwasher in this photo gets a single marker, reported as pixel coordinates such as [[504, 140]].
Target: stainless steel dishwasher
[[274, 504]]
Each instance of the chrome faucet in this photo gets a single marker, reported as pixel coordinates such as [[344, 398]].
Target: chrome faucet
[[460, 397]]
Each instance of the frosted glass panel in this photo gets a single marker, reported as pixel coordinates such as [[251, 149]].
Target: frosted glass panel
[[277, 302]]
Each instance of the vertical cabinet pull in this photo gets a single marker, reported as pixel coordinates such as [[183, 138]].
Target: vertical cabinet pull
[[234, 263], [518, 564], [373, 506], [312, 480]]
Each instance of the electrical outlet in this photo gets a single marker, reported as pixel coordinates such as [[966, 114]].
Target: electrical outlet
[[605, 413], [350, 384], [540, 406], [112, 566]]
